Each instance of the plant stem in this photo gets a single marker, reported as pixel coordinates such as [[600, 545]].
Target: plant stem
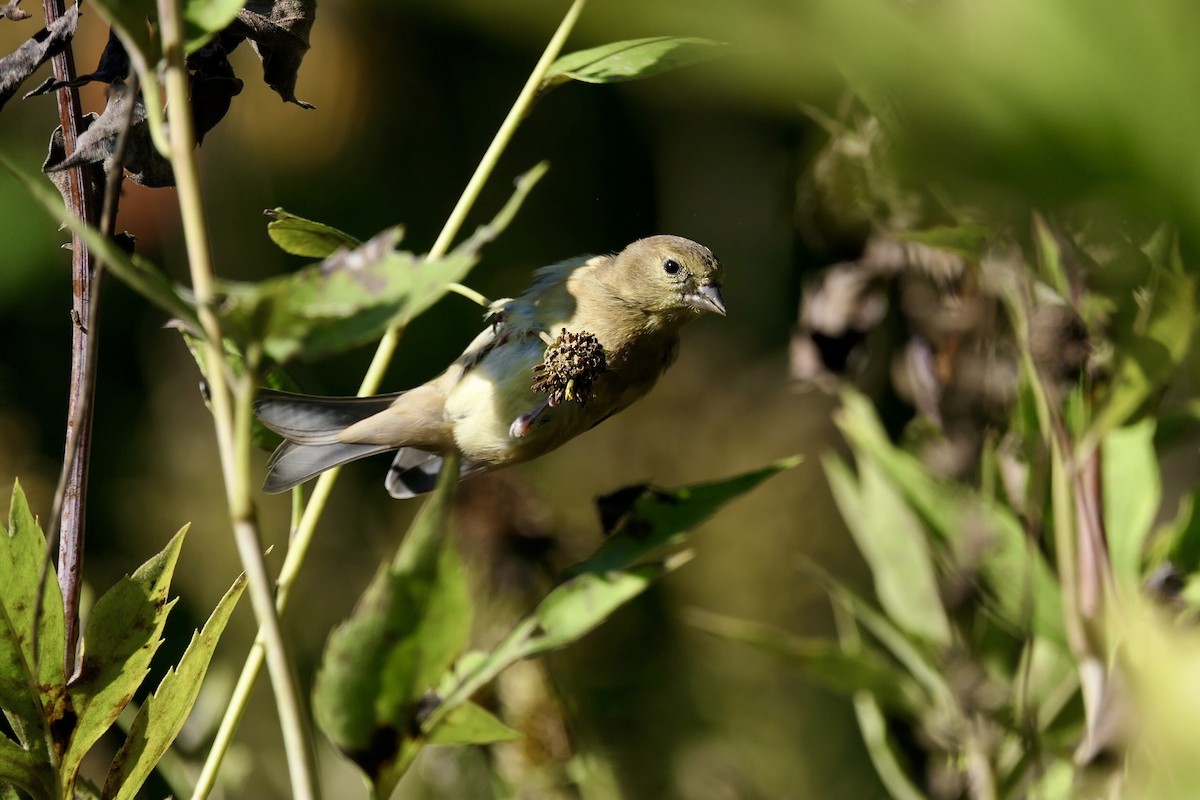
[[306, 528], [68, 515], [232, 414], [520, 108]]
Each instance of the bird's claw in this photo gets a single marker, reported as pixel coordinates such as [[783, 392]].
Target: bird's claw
[[523, 424]]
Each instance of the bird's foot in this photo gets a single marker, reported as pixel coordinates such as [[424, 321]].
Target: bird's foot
[[523, 424]]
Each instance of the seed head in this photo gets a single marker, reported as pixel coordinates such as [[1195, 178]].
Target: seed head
[[570, 367]]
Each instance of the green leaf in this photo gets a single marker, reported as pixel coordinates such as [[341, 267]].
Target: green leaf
[[303, 237], [1132, 490], [18, 691], [644, 519], [134, 271], [822, 660], [580, 604], [1049, 257], [1179, 540], [129, 19], [22, 769], [41, 702], [1148, 355], [882, 752], [892, 540], [1047, 681], [235, 360], [1019, 581], [571, 610], [161, 717], [353, 297], [206, 18], [405, 632], [967, 240], [121, 638], [471, 724], [910, 653], [871, 721], [629, 60]]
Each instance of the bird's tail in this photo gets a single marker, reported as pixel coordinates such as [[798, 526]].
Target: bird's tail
[[310, 427]]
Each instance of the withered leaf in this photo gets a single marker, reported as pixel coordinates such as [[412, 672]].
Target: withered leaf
[[145, 165], [93, 174], [10, 11], [278, 30], [213, 86], [113, 66], [18, 65]]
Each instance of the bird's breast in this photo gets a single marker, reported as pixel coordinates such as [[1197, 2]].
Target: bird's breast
[[489, 397]]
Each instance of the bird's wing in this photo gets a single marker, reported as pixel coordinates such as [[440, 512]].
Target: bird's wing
[[545, 304], [548, 303]]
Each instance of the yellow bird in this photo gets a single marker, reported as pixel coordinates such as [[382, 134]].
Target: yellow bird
[[614, 322]]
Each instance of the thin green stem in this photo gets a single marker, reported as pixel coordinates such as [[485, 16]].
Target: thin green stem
[[231, 420], [304, 531], [487, 165], [469, 293]]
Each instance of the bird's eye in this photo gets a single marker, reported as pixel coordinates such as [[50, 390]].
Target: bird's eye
[[671, 266]]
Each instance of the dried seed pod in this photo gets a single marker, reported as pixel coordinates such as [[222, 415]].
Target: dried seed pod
[[1058, 342], [570, 367]]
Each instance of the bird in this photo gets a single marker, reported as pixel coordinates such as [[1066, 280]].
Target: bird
[[589, 337]]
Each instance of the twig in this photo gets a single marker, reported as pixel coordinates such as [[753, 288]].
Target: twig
[[298, 549], [75, 459], [67, 515]]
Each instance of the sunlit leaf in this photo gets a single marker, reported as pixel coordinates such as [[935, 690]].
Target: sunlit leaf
[[1016, 574], [304, 237], [205, 18], [1179, 539], [353, 296], [1049, 257], [161, 717], [30, 703], [641, 519], [471, 724], [629, 60], [911, 653], [121, 637], [22, 549], [892, 540], [871, 721], [405, 632], [1148, 356], [967, 240], [21, 768], [1131, 490], [580, 604]]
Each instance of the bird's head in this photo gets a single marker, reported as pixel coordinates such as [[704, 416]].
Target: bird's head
[[669, 275]]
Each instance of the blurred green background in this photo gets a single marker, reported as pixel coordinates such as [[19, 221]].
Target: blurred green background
[[408, 96]]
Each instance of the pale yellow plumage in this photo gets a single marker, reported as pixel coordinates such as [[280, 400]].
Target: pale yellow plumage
[[484, 405]]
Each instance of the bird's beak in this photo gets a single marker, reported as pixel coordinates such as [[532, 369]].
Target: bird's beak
[[706, 298]]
